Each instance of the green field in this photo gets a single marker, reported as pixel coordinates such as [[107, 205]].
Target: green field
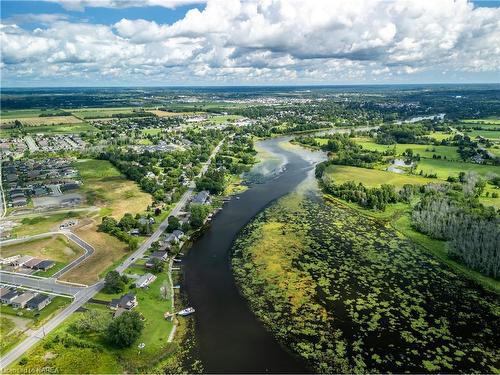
[[152, 131], [222, 119], [425, 151], [445, 168], [372, 177], [51, 129], [94, 113], [42, 223], [20, 113], [483, 121], [490, 134]]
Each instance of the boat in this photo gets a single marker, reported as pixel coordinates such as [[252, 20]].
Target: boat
[[186, 311]]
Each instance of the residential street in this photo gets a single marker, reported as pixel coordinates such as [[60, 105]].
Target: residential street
[[81, 296]]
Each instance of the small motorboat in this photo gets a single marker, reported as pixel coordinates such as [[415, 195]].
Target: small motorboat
[[186, 312]]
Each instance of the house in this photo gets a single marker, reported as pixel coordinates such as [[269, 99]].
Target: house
[[3, 291], [38, 302], [21, 301], [22, 260], [127, 301], [10, 260], [32, 262], [145, 280], [44, 265], [203, 197], [135, 232], [161, 255], [9, 297], [19, 201], [178, 234]]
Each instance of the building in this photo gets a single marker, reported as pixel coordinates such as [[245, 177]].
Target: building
[[127, 302], [160, 255], [203, 197], [10, 260], [38, 302], [20, 301], [44, 265], [145, 280], [21, 261], [3, 291], [32, 262], [9, 297]]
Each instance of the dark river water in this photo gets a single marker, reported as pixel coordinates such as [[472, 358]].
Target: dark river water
[[230, 338]]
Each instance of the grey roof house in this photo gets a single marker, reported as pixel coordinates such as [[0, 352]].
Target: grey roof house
[[38, 302], [21, 301]]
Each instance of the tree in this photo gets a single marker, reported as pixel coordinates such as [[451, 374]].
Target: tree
[[199, 213], [157, 265], [113, 283], [125, 329], [92, 321], [173, 223]]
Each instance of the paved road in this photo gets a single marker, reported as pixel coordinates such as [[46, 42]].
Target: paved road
[[34, 337], [39, 283], [83, 295], [139, 253]]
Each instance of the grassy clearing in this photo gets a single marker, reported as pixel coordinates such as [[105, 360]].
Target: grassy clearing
[[152, 131], [445, 168], [483, 121], [222, 119], [372, 177], [10, 335], [57, 248], [105, 187], [170, 114], [108, 250], [43, 223]]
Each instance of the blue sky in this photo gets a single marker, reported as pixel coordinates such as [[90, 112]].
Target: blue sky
[[190, 42]]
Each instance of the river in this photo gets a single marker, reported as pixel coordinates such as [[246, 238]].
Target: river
[[230, 338]]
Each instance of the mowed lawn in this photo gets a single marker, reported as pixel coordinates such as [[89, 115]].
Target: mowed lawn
[[372, 177], [57, 248], [445, 168]]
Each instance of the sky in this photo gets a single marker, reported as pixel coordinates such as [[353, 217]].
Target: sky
[[248, 42]]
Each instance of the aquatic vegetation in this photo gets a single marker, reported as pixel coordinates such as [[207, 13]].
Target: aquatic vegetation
[[348, 294]]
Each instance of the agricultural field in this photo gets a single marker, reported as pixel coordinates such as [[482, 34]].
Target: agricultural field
[[483, 121], [445, 168], [40, 121], [372, 177], [425, 151], [351, 295], [490, 134], [222, 119], [98, 113], [51, 129]]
